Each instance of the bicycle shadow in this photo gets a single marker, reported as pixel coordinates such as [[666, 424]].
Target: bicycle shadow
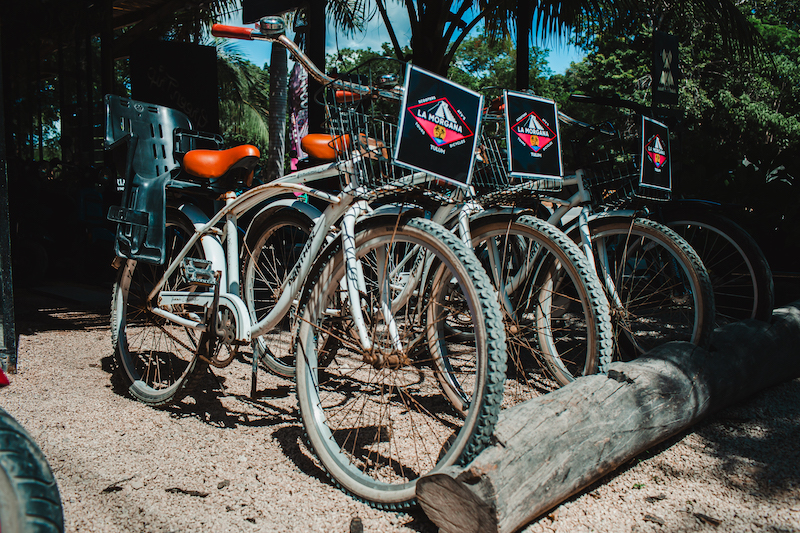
[[212, 404], [207, 402]]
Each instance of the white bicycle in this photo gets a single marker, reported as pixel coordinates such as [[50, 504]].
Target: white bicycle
[[372, 339]]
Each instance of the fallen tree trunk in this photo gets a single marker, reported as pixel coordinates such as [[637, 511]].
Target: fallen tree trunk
[[551, 447]]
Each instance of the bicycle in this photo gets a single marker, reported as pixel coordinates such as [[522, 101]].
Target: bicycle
[[366, 338], [29, 495], [551, 305], [739, 271], [656, 283], [657, 287]]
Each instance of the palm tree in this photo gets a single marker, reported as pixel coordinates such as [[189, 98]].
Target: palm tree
[[438, 27], [348, 16], [278, 87]]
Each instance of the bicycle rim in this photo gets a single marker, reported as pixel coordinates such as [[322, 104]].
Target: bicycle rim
[[663, 292], [739, 272], [268, 259], [156, 357], [554, 310], [377, 426]]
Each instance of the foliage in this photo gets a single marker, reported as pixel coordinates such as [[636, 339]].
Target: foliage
[[349, 59], [482, 62], [243, 98], [737, 128]]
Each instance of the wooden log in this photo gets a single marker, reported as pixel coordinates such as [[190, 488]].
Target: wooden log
[[553, 446]]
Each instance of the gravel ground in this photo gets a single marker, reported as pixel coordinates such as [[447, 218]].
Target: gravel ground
[[224, 463]]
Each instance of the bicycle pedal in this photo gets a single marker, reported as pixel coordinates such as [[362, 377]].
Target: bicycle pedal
[[198, 271]]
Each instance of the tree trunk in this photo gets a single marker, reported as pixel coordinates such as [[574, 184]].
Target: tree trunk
[[553, 446], [428, 44], [524, 21], [278, 88]]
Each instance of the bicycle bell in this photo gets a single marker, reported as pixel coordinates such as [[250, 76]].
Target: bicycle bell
[[272, 26]]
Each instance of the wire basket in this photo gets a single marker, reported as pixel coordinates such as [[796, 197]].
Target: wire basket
[[611, 156], [363, 131], [493, 183]]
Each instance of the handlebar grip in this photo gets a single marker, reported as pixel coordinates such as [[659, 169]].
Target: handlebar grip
[[232, 32]]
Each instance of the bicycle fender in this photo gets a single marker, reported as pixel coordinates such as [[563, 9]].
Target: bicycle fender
[[212, 247], [394, 210], [626, 214], [501, 211], [304, 208]]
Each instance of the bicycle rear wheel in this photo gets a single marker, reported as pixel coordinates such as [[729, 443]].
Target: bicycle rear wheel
[[272, 248], [740, 274], [661, 290], [378, 419], [156, 359], [554, 308]]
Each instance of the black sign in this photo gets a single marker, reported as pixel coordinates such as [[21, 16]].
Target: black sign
[[665, 68], [180, 76], [534, 146], [254, 10], [656, 165], [437, 130]]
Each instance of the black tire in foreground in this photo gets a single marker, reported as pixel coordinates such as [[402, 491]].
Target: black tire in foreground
[[29, 498]]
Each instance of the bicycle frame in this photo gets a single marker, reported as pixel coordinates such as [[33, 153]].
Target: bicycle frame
[[581, 199], [343, 210]]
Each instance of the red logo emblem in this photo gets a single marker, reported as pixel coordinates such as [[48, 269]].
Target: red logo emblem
[[440, 121], [534, 132], [656, 152]]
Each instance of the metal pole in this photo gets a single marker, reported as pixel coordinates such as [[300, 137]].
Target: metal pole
[[8, 336]]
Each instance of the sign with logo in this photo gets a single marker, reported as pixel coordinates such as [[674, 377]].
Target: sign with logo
[[665, 68], [534, 146], [437, 130], [656, 165]]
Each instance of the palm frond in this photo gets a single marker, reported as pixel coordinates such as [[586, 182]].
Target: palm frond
[[348, 16]]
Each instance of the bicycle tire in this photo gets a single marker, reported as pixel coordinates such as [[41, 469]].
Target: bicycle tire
[[155, 359], [411, 420], [740, 274], [272, 247], [29, 496], [664, 289], [556, 316]]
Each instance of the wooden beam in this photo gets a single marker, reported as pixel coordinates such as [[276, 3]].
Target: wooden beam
[[122, 44], [552, 447]]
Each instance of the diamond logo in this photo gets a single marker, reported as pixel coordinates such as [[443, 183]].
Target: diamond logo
[[656, 152], [533, 132], [440, 121]]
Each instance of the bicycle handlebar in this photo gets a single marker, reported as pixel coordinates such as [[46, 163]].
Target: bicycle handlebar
[[254, 34]]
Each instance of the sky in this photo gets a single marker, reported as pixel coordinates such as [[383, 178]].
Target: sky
[[560, 57]]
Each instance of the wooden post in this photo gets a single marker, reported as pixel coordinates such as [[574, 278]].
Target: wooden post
[[551, 447]]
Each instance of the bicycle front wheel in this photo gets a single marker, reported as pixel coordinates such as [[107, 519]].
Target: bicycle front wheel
[[554, 308], [156, 359], [378, 419], [740, 274], [657, 286]]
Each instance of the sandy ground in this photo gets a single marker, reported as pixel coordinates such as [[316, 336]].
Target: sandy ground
[[224, 463]]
